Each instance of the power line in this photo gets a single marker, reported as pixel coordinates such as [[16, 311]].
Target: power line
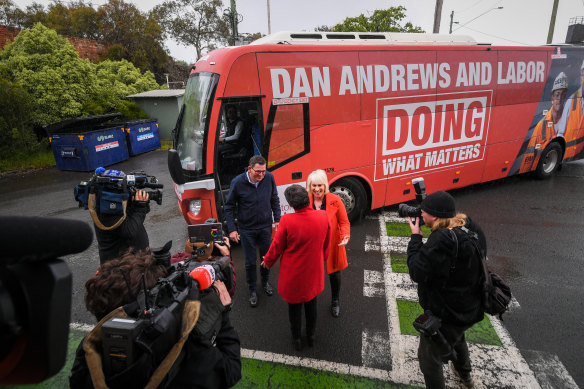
[[498, 37], [475, 18]]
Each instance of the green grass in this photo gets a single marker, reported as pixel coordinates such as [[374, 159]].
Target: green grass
[[403, 229], [261, 374], [22, 161], [481, 333], [399, 262]]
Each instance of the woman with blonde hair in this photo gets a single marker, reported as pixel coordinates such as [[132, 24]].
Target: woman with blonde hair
[[321, 199]]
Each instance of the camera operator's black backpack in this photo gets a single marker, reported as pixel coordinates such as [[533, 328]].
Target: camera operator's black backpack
[[496, 294]]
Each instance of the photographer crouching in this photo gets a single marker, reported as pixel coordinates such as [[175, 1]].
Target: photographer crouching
[[207, 354], [448, 270]]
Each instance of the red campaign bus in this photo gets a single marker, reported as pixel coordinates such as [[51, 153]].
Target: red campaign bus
[[375, 110]]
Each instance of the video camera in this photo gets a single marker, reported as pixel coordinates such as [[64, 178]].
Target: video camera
[[405, 210], [156, 317], [114, 186], [429, 325], [35, 295]]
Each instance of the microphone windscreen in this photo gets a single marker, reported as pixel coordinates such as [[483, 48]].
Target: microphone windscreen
[[204, 275], [39, 238]]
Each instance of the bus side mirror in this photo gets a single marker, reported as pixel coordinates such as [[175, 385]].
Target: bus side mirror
[[175, 168]]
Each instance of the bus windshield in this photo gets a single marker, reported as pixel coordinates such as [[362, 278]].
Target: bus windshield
[[194, 123]]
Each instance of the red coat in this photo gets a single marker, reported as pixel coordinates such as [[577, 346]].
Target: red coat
[[340, 227], [302, 241]]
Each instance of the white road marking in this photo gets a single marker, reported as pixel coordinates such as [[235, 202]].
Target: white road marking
[[550, 372]]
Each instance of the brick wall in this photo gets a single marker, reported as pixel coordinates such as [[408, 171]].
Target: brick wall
[[87, 48]]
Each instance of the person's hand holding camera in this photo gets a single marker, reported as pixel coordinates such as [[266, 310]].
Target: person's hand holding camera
[[224, 248], [415, 225], [141, 195]]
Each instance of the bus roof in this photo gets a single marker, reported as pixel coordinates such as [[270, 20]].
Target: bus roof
[[365, 38]]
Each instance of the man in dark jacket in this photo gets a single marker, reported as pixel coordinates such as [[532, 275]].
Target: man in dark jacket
[[448, 273], [253, 199], [131, 233]]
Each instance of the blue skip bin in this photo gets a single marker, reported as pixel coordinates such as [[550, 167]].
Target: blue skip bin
[[142, 136], [86, 143], [89, 150]]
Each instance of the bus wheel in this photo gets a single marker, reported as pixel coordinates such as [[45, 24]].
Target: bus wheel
[[549, 161], [353, 194]]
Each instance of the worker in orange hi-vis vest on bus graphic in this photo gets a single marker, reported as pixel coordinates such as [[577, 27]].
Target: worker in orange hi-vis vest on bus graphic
[[552, 125], [574, 135]]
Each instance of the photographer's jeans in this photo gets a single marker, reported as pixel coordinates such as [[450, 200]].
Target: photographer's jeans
[[250, 239], [429, 355]]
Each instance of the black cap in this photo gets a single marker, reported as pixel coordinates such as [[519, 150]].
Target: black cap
[[439, 204]]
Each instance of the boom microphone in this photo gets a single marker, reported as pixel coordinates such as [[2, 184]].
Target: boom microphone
[[40, 238]]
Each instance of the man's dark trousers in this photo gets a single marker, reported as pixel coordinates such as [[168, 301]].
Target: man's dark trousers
[[250, 239]]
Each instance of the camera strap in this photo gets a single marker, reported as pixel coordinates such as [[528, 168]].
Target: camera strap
[[98, 223]]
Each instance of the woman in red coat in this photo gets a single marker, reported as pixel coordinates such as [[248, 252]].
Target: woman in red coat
[[302, 244], [321, 198]]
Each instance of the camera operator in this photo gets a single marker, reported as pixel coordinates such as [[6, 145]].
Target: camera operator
[[130, 234], [449, 285], [212, 252], [211, 354]]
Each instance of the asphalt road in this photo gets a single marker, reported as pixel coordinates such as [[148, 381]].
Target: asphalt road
[[534, 231]]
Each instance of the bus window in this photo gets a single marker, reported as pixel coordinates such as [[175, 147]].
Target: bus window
[[287, 133], [194, 121]]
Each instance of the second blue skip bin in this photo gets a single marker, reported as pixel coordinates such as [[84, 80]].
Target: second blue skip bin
[[142, 136]]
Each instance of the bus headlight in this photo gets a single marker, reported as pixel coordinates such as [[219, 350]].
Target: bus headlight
[[195, 206]]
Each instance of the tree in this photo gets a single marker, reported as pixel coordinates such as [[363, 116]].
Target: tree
[[118, 79], [61, 84], [381, 20], [47, 66], [15, 121], [194, 23], [10, 14], [140, 36]]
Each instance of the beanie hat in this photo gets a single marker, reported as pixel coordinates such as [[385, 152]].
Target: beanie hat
[[439, 204]]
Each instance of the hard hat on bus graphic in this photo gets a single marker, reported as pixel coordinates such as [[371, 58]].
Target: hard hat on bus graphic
[[561, 82]]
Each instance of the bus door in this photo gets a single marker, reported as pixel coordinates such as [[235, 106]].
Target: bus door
[[239, 137], [286, 140]]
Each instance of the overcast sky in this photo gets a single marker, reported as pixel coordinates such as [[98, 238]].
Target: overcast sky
[[520, 22]]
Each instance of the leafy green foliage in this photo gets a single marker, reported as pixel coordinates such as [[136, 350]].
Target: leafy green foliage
[[382, 20], [50, 70], [15, 121], [63, 85]]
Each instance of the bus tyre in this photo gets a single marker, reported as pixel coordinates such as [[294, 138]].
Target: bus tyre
[[549, 161], [353, 194]]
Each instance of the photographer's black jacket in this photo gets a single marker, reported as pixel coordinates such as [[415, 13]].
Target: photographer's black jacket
[[131, 233], [449, 285]]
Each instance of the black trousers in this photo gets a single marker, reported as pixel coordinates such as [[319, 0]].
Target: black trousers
[[295, 316], [429, 355], [335, 279]]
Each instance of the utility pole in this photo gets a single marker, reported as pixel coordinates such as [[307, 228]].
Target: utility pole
[[438, 16], [234, 21], [451, 21], [552, 22], [269, 24]]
